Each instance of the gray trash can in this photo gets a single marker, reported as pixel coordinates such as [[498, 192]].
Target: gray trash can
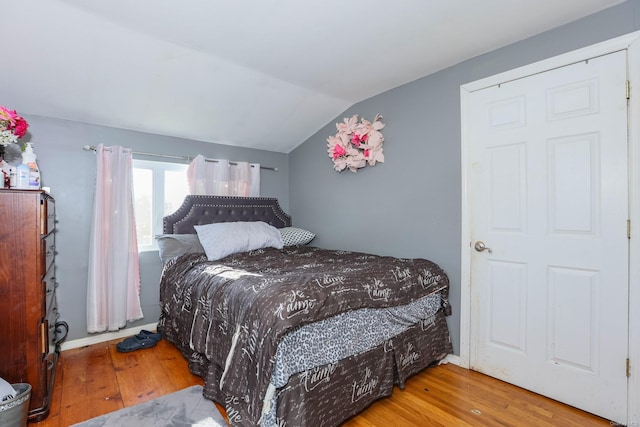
[[13, 412]]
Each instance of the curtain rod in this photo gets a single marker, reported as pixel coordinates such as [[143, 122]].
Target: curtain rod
[[169, 156]]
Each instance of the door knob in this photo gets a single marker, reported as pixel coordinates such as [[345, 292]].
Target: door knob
[[480, 246]]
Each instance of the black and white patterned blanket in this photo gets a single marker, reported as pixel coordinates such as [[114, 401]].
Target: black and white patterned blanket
[[237, 310]]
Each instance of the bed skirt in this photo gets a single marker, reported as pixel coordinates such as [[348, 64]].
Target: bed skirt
[[329, 395]]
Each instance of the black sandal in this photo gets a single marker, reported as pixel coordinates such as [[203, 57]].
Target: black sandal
[[135, 343], [148, 334]]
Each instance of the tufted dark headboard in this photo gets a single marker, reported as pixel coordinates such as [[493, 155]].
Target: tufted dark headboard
[[197, 210]]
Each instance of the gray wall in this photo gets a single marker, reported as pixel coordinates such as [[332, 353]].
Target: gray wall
[[410, 206], [71, 172]]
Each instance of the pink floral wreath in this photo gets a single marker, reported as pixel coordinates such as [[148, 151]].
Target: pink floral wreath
[[356, 144], [12, 126]]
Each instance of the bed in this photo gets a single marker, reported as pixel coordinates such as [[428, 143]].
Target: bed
[[294, 335]]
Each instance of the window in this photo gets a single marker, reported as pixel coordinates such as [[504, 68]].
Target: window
[[158, 189]]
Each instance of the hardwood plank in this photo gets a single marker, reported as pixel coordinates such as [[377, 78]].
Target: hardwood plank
[[140, 375], [97, 379], [89, 384], [172, 361]]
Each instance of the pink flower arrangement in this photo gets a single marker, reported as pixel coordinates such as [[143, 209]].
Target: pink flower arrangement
[[12, 126], [356, 144]]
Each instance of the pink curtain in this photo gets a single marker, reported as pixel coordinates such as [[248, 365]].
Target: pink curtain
[[113, 294], [221, 178]]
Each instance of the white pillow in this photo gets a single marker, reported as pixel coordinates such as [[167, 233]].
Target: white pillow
[[226, 238], [292, 236]]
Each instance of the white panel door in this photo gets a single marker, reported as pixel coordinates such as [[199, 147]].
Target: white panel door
[[548, 190]]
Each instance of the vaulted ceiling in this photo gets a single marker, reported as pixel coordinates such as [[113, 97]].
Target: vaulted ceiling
[[251, 73]]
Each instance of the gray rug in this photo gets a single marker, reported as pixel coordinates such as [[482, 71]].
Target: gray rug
[[183, 408]]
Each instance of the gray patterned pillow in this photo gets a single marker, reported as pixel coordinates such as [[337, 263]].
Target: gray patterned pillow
[[292, 236], [172, 245]]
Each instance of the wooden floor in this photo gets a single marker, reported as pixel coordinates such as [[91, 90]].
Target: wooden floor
[[96, 379]]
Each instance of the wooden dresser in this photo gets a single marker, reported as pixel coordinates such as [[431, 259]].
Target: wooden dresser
[[30, 332]]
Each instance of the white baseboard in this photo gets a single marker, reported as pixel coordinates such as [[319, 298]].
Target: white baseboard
[[106, 336], [451, 358]]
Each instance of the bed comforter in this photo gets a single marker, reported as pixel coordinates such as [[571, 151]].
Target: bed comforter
[[235, 311]]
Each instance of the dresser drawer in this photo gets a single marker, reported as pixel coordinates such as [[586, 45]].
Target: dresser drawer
[[50, 286], [51, 320], [47, 216], [49, 250]]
